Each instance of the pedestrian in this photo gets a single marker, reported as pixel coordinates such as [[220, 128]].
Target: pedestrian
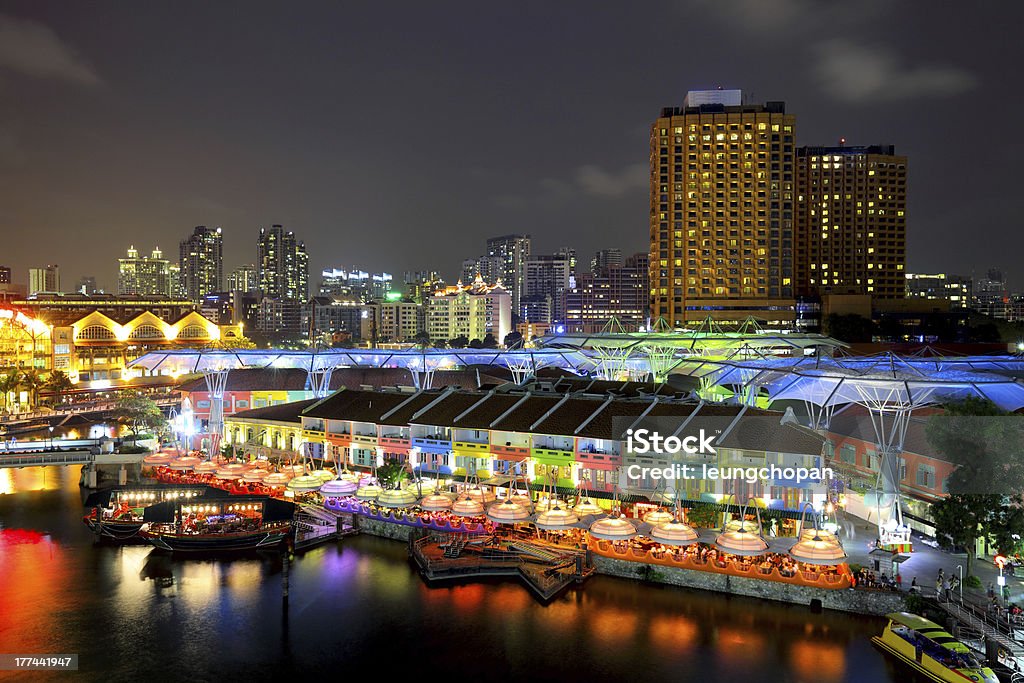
[[938, 587], [949, 588], [991, 591], [899, 581], [913, 585]]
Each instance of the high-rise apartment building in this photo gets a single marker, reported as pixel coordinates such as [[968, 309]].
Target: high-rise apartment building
[[722, 190], [511, 252], [201, 260], [355, 283], [143, 275], [472, 311], [283, 265], [605, 258], [392, 321], [244, 279], [618, 292], [850, 231], [5, 275], [546, 278], [44, 279]]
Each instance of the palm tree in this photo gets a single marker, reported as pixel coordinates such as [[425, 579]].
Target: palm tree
[[33, 381], [58, 383], [9, 383]]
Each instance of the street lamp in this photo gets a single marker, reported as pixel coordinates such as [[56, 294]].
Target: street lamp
[[961, 584], [51, 437]]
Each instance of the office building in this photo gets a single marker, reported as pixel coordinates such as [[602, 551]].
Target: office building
[[87, 285], [44, 280], [938, 286], [201, 260], [143, 275], [331, 319], [721, 210], [850, 234], [5, 275], [992, 295], [283, 265], [355, 284], [605, 258], [613, 293]]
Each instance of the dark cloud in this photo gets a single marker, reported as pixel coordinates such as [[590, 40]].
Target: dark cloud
[[32, 49], [852, 72]]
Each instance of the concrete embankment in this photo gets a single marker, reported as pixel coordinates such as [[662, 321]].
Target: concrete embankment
[[846, 600]]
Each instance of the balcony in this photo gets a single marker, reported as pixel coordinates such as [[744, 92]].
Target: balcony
[[432, 444], [394, 443], [549, 453], [509, 452], [471, 446]]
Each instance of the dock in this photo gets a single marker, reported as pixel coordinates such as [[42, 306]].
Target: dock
[[315, 525], [545, 571]]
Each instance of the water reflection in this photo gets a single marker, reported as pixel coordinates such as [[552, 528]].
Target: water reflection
[[135, 612]]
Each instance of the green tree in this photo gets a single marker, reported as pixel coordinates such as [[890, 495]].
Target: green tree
[[476, 344], [58, 383], [490, 342], [422, 340], [513, 340], [33, 381], [987, 446], [392, 473], [9, 383], [459, 342], [139, 413], [849, 327]]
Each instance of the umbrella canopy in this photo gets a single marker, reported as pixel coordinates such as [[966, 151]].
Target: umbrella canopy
[[157, 459], [369, 492], [674, 533], [659, 516], [613, 529], [587, 507], [481, 494], [277, 479], [323, 475], [206, 467], [233, 470], [305, 482], [294, 470], [556, 519], [397, 498], [435, 502], [742, 541], [257, 474], [467, 507], [818, 550], [339, 487], [508, 512]]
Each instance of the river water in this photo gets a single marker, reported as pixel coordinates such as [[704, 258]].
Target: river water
[[358, 610]]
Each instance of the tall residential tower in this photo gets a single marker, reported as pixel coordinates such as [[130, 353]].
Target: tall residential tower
[[721, 210], [202, 263]]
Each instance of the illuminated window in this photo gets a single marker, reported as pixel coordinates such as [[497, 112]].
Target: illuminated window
[[95, 333]]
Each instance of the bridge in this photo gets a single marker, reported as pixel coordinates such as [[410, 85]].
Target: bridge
[[62, 452]]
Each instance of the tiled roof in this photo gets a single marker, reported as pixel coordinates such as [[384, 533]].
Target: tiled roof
[[285, 412], [447, 409], [488, 411], [528, 412]]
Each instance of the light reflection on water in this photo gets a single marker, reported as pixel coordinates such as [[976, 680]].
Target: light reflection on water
[[135, 613]]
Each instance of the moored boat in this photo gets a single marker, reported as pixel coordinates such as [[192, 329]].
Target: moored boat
[[930, 650], [237, 523], [116, 514]]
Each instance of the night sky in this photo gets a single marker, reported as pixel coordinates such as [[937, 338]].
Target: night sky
[[399, 136]]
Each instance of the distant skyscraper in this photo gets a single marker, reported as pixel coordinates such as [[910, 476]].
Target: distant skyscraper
[[5, 275], [721, 210], [851, 226], [244, 279], [992, 295], [143, 275], [604, 259], [202, 263], [954, 288], [44, 279], [174, 275], [511, 252], [546, 278], [618, 292], [87, 285], [283, 265]]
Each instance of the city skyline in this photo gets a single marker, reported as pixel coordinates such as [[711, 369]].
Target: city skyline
[[486, 155]]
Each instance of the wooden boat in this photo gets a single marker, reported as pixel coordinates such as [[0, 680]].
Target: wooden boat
[[237, 523], [930, 650], [116, 514]]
